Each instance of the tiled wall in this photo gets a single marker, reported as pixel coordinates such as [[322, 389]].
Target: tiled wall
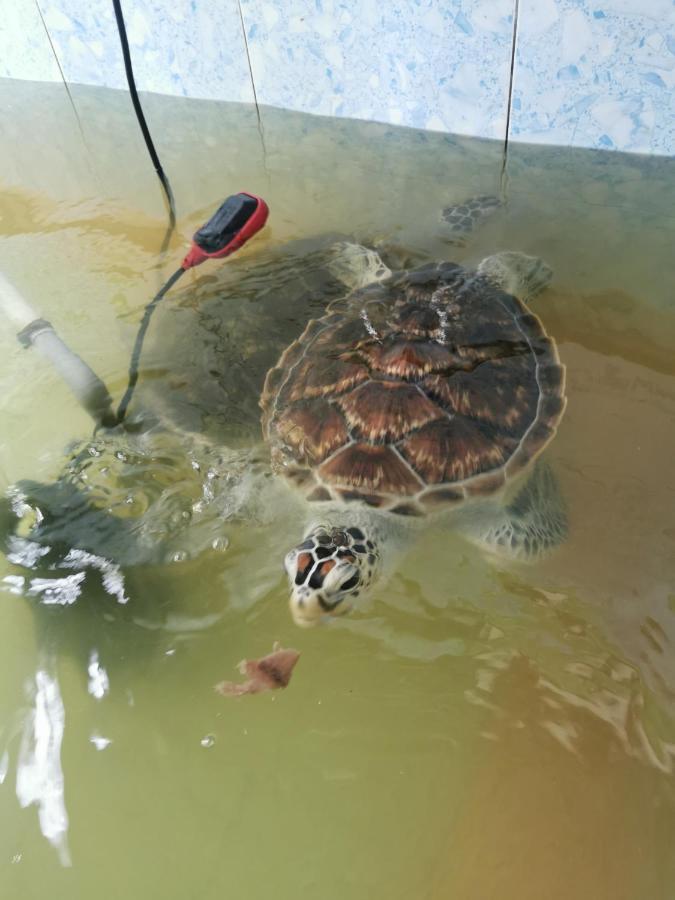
[[596, 73], [592, 73], [424, 63]]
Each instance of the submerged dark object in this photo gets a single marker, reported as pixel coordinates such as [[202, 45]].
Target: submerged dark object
[[265, 674]]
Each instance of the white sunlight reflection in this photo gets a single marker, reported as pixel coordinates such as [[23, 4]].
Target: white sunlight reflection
[[99, 683], [39, 776]]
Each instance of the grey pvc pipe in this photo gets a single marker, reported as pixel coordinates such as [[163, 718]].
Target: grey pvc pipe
[[33, 331]]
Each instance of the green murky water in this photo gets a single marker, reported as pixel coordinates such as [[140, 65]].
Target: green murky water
[[478, 731]]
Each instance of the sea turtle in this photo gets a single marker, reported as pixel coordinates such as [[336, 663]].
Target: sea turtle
[[420, 396], [423, 395]]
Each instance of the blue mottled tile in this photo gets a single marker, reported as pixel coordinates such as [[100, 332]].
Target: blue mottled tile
[[24, 47], [191, 48], [442, 66], [596, 74]]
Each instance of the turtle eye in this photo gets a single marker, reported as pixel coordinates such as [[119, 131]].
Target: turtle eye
[[340, 538]]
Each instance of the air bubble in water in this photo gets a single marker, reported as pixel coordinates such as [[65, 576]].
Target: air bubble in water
[[208, 740], [178, 556], [220, 543]]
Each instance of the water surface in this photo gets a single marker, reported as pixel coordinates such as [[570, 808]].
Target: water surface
[[478, 730]]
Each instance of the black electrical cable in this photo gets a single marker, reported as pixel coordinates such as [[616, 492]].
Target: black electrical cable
[[232, 225], [143, 124], [138, 346], [171, 209]]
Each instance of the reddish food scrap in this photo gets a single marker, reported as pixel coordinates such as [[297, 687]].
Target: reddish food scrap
[[265, 674]]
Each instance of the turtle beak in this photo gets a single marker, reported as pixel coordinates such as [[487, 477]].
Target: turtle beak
[[305, 609], [309, 605], [338, 576]]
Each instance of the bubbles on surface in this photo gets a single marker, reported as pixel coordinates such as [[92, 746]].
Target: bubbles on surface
[[208, 740], [220, 543], [99, 741], [177, 556]]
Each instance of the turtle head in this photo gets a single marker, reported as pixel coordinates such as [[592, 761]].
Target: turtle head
[[328, 571]]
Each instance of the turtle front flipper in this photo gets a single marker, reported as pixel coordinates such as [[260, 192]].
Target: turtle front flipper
[[459, 220], [356, 266], [531, 525], [517, 273]]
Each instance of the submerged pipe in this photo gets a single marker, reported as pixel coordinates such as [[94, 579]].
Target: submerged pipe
[[33, 331]]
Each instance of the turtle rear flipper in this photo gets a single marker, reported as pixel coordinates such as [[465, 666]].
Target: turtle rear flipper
[[533, 524], [460, 220]]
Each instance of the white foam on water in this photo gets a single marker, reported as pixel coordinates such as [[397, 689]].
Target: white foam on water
[[99, 683], [436, 300], [14, 584], [99, 741], [113, 580], [370, 328], [26, 553], [57, 591]]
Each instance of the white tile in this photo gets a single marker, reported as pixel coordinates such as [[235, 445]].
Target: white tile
[[24, 45], [192, 48], [593, 73], [598, 74], [420, 63]]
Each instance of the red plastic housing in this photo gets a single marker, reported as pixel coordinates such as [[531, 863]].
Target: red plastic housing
[[196, 255]]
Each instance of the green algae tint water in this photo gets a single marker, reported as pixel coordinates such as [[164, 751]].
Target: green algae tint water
[[479, 730]]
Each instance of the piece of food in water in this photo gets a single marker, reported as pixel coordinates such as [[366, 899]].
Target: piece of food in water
[[265, 674]]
